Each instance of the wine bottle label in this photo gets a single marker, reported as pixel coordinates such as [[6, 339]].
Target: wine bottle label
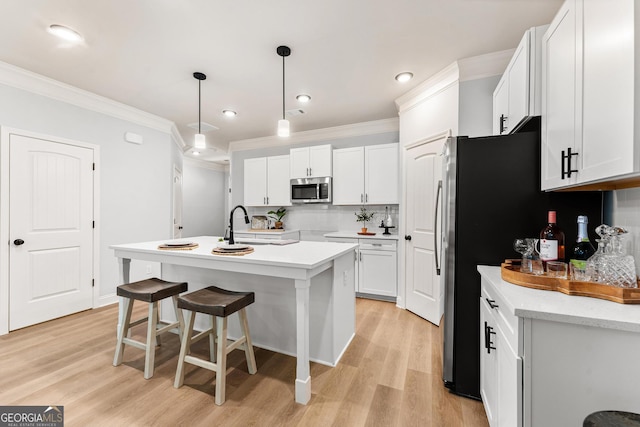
[[548, 250]]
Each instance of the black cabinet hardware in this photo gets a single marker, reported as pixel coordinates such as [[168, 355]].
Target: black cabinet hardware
[[18, 242], [488, 344], [407, 237], [492, 303], [567, 171]]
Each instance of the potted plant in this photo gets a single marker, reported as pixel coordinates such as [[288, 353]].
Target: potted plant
[[364, 216], [277, 216]]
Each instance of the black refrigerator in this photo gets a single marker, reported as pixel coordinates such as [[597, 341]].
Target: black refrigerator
[[491, 195]]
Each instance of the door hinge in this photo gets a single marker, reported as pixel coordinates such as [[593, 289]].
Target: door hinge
[[93, 224], [93, 167], [93, 283]]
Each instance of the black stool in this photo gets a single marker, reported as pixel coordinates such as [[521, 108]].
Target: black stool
[[218, 304], [150, 291]]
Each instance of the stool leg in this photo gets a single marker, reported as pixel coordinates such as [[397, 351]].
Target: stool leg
[[124, 330], [179, 316], [185, 347], [158, 341], [152, 326], [212, 339], [248, 346], [221, 361]]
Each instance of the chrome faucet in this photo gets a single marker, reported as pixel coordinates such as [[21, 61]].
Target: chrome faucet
[[246, 220]]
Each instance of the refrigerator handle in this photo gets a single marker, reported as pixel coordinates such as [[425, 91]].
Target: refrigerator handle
[[435, 226]]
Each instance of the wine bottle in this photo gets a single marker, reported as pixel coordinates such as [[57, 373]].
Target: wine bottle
[[552, 241], [582, 249]]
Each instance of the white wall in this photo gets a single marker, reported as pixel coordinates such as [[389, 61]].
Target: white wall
[[203, 193], [136, 180], [476, 106]]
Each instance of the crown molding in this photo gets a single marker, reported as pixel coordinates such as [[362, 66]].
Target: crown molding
[[205, 164], [20, 78], [345, 131], [177, 138], [435, 84], [482, 66], [476, 67]]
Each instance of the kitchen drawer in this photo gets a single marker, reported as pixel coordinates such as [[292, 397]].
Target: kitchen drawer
[[507, 322], [378, 244]]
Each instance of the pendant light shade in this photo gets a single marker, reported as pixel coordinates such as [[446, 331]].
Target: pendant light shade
[[200, 141], [283, 124]]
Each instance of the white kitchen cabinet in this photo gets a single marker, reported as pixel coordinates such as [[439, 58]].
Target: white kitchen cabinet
[[266, 181], [376, 267], [558, 358], [366, 175], [517, 95], [588, 98], [500, 365], [307, 162]]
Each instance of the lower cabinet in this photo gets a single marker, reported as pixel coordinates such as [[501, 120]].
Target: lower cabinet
[[500, 365], [376, 267]]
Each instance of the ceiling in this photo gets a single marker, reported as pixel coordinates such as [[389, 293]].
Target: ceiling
[[344, 53]]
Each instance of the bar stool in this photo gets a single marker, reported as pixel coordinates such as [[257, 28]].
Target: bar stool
[[150, 291], [218, 304]]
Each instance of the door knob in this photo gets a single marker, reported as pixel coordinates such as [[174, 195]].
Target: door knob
[[407, 237], [18, 242], [180, 227]]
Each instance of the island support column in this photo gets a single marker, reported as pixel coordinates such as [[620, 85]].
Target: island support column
[[303, 372], [125, 268]]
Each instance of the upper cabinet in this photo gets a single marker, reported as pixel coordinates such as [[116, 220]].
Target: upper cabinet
[[588, 97], [266, 181], [366, 175], [309, 162], [517, 95]]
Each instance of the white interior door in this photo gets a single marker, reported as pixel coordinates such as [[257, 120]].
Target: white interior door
[[423, 169], [51, 230], [177, 203]]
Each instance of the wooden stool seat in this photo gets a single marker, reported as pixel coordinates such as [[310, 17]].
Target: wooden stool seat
[[218, 304], [150, 291], [215, 301]]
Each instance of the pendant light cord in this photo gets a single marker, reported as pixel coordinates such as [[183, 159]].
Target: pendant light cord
[[199, 105], [283, 88]]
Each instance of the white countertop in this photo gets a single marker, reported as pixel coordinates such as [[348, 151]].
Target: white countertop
[[305, 255], [558, 307], [355, 235], [272, 231]]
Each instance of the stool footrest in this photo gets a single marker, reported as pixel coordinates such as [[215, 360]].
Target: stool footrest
[[167, 327], [201, 363], [134, 343], [237, 343], [202, 335]]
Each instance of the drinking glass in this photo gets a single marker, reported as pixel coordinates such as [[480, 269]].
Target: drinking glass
[[557, 269]]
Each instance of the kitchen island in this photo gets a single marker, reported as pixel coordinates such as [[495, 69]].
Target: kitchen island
[[305, 296]]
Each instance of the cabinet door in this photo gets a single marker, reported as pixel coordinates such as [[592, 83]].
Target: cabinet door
[[348, 176], [320, 160], [255, 183], [509, 382], [519, 84], [607, 90], [299, 158], [488, 364], [378, 272], [381, 174], [278, 185], [501, 106], [559, 95]]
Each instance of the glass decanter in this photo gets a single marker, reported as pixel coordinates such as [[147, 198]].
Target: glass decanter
[[621, 268], [531, 262]]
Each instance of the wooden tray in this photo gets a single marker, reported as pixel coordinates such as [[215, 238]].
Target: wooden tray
[[218, 251], [510, 271]]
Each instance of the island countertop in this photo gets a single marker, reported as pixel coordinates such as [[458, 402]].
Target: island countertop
[[306, 255]]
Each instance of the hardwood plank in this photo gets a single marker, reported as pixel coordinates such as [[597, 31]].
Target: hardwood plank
[[390, 375]]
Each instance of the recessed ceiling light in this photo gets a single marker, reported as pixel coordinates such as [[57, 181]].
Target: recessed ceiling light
[[65, 33], [196, 153], [404, 77], [229, 113], [303, 98]]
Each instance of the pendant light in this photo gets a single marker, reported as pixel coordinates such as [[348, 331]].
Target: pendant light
[[199, 142], [283, 125]]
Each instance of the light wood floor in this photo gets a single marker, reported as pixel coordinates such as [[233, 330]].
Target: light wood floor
[[391, 375]]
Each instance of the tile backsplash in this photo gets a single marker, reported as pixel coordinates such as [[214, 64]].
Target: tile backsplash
[[626, 214], [314, 221]]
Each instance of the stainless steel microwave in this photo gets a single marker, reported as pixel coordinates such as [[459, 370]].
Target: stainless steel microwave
[[311, 190]]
